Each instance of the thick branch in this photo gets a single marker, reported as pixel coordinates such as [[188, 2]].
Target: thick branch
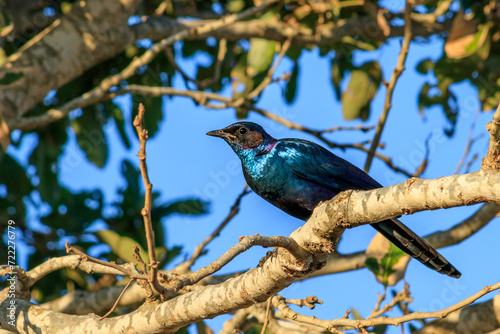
[[478, 318], [353, 208], [318, 236], [92, 32], [328, 34], [96, 94]]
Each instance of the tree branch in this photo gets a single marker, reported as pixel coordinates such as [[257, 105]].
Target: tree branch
[[146, 210], [63, 51], [492, 159], [327, 34], [315, 240], [398, 70], [330, 325], [96, 94], [198, 251]]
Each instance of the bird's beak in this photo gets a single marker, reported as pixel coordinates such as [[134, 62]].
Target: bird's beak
[[220, 134]]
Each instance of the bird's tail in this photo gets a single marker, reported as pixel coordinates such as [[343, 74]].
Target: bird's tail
[[415, 246]]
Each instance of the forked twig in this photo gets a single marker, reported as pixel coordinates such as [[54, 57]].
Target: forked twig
[[146, 210]]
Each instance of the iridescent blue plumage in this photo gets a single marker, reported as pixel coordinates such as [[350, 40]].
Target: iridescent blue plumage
[[296, 175]]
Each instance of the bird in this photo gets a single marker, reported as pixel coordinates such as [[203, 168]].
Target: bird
[[295, 175]]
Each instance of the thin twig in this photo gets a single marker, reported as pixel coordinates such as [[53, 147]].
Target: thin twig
[[361, 128], [269, 77], [144, 284], [470, 141], [330, 325], [146, 210], [218, 65], [266, 319], [402, 296], [392, 83], [176, 282], [117, 300], [96, 94], [85, 257], [198, 251], [309, 301], [187, 78]]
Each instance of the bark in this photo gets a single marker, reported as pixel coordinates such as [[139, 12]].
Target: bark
[[98, 31], [319, 237], [90, 33], [475, 319]]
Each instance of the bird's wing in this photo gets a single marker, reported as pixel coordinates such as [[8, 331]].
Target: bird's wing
[[314, 163]]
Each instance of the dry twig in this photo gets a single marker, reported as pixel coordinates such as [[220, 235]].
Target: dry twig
[[198, 251], [330, 325], [121, 269], [392, 83], [146, 210]]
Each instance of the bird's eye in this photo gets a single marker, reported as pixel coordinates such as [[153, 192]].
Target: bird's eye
[[243, 131]]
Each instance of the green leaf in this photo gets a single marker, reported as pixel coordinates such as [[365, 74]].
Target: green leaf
[[3, 56], [90, 135], [45, 156], [384, 267], [9, 78], [425, 66], [132, 194], [337, 76], [235, 6], [294, 52], [260, 56], [380, 329], [372, 264], [120, 245], [185, 207], [117, 115], [442, 96], [391, 258], [291, 86], [363, 85], [355, 313], [73, 212], [14, 177]]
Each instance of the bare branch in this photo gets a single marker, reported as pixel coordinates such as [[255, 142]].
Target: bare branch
[[177, 282], [96, 94], [146, 210], [309, 301], [479, 318], [118, 299], [338, 263], [159, 27], [470, 141], [85, 257], [318, 237], [235, 324], [402, 296], [365, 323], [198, 251], [392, 83]]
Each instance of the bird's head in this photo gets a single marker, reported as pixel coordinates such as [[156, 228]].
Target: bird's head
[[245, 137]]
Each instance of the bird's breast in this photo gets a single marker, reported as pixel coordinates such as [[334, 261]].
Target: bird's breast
[[274, 180]]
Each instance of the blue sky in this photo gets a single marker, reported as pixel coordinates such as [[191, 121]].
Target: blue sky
[[184, 162]]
